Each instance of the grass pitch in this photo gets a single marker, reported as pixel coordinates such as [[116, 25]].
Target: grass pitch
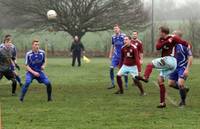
[[81, 101]]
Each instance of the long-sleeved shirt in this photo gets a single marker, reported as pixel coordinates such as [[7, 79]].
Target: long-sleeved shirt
[[77, 47], [168, 47], [5, 58]]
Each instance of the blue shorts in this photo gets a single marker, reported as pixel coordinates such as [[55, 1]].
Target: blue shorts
[[12, 67], [41, 79], [125, 70], [115, 62], [178, 73], [166, 68]]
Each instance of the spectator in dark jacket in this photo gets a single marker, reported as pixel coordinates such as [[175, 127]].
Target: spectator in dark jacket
[[76, 49]]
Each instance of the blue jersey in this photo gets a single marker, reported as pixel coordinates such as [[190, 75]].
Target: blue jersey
[[118, 42], [181, 55], [35, 60]]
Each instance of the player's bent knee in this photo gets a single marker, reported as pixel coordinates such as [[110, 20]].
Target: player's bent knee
[[171, 83], [135, 81], [47, 82], [181, 86], [27, 83], [160, 81]]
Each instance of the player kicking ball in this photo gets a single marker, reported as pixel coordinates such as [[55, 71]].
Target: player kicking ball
[[129, 62], [166, 64], [35, 64], [177, 79]]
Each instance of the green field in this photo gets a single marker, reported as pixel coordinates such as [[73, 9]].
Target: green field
[[81, 101]]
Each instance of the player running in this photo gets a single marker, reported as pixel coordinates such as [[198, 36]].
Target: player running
[[135, 41], [167, 63], [14, 58], [6, 63], [35, 64], [177, 79], [115, 54], [129, 62]]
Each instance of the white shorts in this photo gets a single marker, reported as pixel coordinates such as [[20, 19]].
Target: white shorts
[[125, 70], [166, 65]]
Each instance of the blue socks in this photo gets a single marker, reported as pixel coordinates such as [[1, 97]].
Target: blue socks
[[112, 76]]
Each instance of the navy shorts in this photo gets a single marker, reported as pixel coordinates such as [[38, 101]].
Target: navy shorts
[[178, 73]]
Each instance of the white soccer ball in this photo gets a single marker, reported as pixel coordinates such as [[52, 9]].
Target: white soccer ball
[[51, 14]]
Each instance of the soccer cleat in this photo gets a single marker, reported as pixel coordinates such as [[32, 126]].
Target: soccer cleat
[[49, 100], [182, 104], [162, 105], [21, 99], [119, 92], [14, 94], [111, 87], [187, 90], [143, 94], [21, 84], [141, 78]]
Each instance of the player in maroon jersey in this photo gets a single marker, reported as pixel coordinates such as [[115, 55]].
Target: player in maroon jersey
[[135, 41], [167, 63], [129, 62]]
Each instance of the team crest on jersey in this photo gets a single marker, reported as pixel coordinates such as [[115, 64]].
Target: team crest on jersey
[[128, 54]]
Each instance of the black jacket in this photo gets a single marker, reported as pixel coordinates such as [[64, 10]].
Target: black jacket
[[77, 47]]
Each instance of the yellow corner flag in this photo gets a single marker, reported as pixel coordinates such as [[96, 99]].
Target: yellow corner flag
[[86, 60]]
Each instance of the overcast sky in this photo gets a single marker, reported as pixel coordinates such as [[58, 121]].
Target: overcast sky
[[178, 2]]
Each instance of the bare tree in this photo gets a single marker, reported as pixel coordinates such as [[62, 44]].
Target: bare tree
[[78, 16]]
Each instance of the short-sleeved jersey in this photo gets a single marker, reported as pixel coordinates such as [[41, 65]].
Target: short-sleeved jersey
[[181, 54], [129, 55], [118, 42], [5, 58], [35, 60], [13, 50], [166, 47], [139, 45]]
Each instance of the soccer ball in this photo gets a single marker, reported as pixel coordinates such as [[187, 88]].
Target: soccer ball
[[51, 14]]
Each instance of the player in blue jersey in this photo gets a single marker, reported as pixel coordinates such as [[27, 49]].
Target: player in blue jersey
[[14, 58], [177, 79], [115, 54], [35, 64]]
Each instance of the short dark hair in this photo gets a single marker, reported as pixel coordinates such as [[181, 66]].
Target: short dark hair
[[7, 38], [164, 29], [129, 37], [116, 25], [135, 31]]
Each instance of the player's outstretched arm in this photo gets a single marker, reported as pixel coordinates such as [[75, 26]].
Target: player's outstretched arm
[[178, 40]]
